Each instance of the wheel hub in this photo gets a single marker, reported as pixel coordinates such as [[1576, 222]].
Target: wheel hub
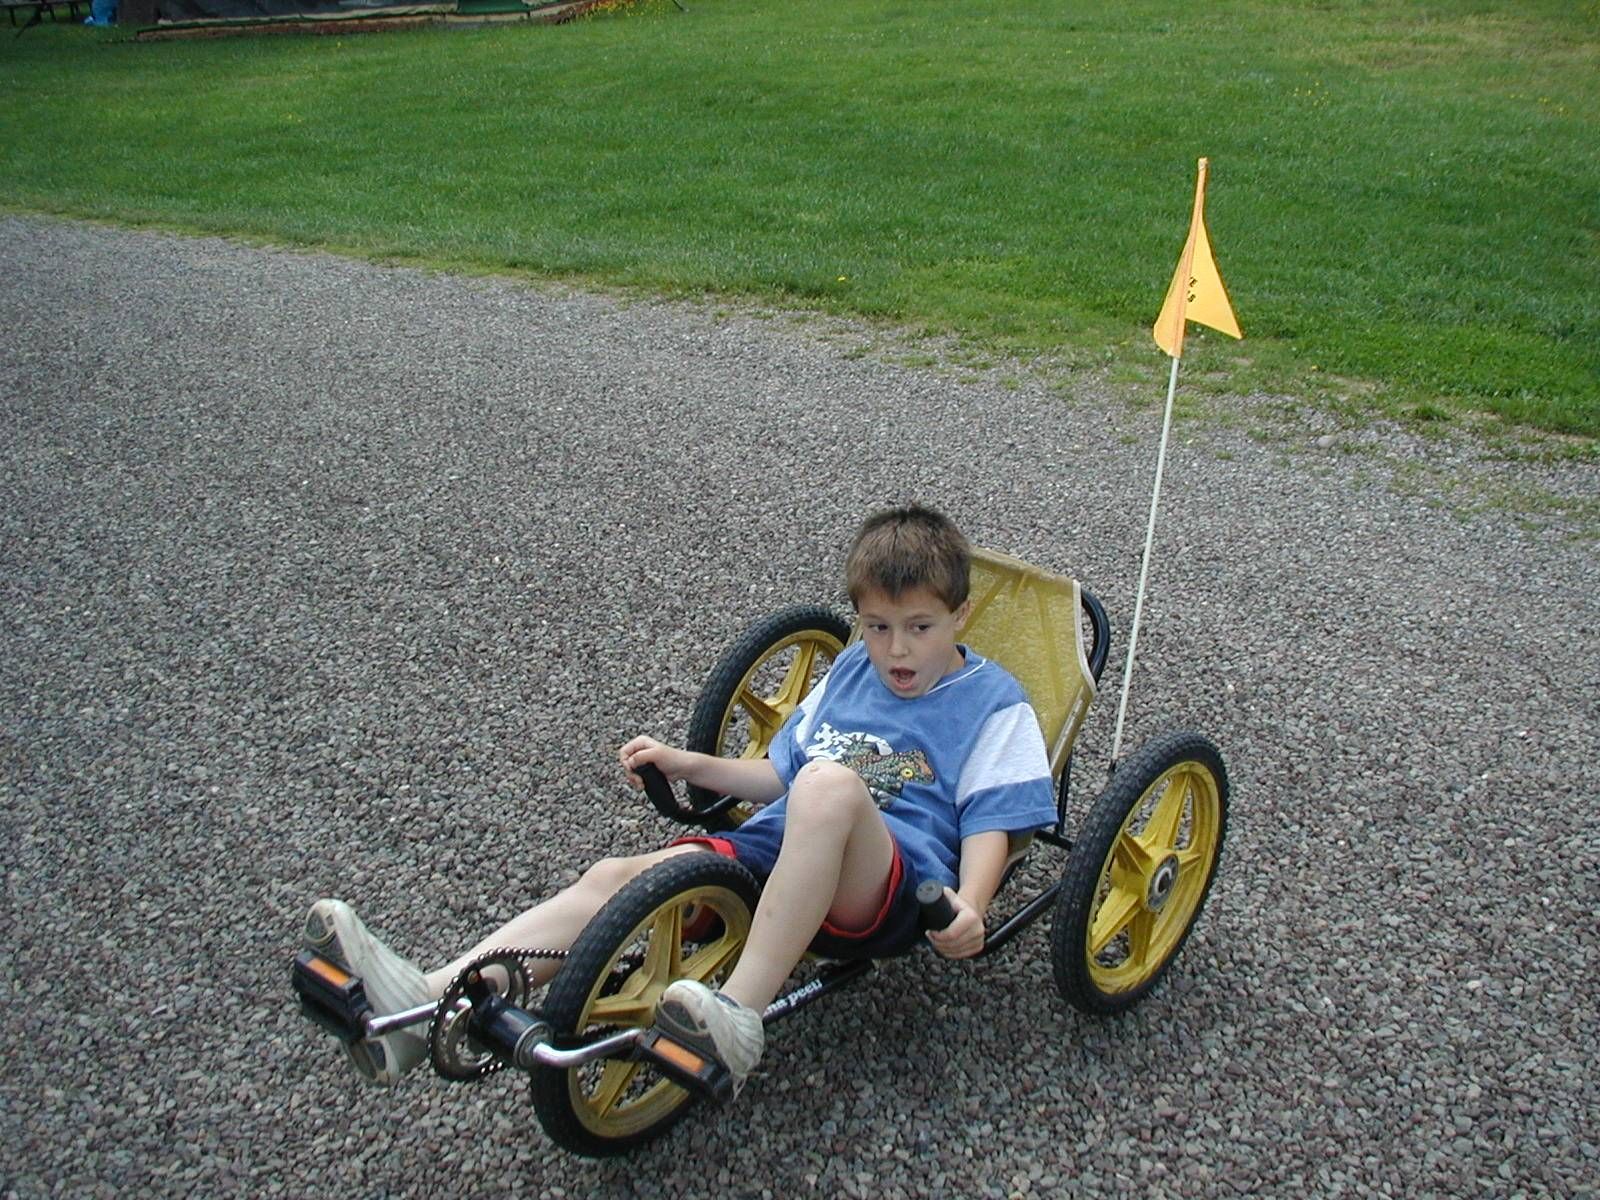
[[1162, 880]]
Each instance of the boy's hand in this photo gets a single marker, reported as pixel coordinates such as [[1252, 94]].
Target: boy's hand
[[964, 936], [749, 779], [671, 762]]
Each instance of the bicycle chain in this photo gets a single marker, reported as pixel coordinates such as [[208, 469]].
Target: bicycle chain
[[451, 1049]]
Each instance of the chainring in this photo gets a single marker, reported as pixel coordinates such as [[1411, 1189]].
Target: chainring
[[451, 1048]]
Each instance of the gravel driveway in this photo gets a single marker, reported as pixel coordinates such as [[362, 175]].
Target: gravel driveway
[[324, 578]]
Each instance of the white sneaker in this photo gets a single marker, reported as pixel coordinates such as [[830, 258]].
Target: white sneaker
[[718, 1024], [393, 984]]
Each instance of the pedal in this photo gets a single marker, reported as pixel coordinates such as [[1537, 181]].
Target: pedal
[[331, 996], [685, 1065]]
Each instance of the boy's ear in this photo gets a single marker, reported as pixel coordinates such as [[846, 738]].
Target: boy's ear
[[963, 613]]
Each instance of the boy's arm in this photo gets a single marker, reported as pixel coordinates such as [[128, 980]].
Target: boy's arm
[[753, 779], [983, 865], [756, 780]]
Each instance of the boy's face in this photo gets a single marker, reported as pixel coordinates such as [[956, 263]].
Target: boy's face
[[911, 638]]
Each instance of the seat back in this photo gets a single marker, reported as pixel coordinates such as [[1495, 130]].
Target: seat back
[[1030, 622]]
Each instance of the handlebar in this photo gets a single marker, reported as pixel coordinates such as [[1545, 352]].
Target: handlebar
[[665, 800], [937, 911], [658, 789]]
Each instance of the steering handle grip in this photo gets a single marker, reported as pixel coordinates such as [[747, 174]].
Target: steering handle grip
[[658, 789], [937, 911]]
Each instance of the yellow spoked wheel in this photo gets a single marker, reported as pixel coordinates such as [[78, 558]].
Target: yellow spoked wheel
[[613, 978], [759, 682], [1139, 873]]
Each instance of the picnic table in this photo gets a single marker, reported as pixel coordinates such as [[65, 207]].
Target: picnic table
[[40, 7]]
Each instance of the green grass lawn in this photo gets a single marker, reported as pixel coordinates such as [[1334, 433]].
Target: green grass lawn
[[1405, 196]]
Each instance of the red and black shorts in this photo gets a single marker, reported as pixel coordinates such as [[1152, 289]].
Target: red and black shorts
[[896, 928]]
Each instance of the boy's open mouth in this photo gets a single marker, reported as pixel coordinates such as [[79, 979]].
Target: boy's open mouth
[[902, 677]]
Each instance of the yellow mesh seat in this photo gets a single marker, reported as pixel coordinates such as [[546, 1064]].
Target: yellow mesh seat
[[1030, 622]]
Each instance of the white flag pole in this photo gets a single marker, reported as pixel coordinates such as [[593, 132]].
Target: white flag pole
[[1144, 569]]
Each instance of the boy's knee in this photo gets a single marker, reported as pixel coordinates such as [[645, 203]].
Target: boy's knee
[[608, 875], [827, 789], [824, 773]]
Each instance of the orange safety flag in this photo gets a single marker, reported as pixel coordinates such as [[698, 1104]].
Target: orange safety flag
[[1196, 292]]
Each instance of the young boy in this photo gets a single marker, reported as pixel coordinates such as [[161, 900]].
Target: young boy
[[913, 759]]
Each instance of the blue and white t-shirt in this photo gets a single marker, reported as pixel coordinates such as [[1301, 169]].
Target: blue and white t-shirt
[[965, 757]]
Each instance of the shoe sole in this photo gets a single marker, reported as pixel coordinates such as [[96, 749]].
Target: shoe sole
[[361, 1058], [322, 935], [678, 1022], [681, 1023]]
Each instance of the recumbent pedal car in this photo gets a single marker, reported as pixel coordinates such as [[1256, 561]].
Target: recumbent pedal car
[[605, 1079]]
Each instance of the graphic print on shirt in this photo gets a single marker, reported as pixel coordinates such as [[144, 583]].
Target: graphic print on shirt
[[884, 770]]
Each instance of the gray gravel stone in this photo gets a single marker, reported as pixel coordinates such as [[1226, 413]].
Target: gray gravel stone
[[321, 577]]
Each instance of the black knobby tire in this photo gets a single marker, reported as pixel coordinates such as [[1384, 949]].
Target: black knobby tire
[[1139, 873], [760, 680], [612, 979]]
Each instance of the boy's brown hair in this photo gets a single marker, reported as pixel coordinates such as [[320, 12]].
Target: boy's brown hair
[[904, 548]]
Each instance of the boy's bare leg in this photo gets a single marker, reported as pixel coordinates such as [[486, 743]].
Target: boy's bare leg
[[835, 863], [556, 923]]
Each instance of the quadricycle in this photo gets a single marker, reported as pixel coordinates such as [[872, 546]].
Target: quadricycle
[[604, 1077]]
